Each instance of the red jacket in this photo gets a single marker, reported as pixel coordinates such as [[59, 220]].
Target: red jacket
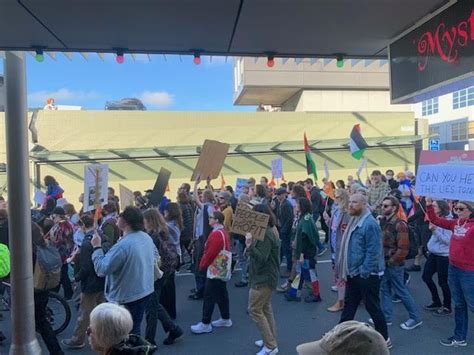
[[461, 246], [214, 245]]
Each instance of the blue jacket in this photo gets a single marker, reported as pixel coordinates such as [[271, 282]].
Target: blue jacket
[[365, 254], [128, 268]]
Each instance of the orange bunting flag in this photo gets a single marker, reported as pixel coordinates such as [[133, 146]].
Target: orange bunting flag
[[329, 190], [222, 183]]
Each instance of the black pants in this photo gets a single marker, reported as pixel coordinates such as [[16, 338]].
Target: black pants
[[154, 311], [168, 295], [200, 276], [66, 282], [368, 290], [42, 324], [215, 291], [325, 228], [437, 264]]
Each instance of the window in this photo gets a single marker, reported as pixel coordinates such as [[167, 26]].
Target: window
[[434, 131], [463, 98], [471, 130], [430, 107], [459, 131]]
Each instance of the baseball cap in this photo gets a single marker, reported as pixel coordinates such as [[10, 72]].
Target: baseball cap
[[280, 191], [350, 337]]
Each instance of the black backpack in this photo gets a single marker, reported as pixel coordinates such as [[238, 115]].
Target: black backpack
[[413, 250]]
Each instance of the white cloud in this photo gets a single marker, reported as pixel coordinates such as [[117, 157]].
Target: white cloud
[[157, 99], [61, 96]]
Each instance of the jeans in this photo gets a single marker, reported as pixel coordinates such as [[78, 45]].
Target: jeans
[[393, 280], [438, 264], [199, 276], [368, 290], [461, 283], [285, 250], [137, 309], [42, 324], [215, 292], [243, 262], [154, 311], [260, 309]]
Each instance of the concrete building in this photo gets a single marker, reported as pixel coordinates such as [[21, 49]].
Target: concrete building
[[2, 95], [451, 118]]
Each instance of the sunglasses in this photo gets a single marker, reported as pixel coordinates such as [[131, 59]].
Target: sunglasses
[[460, 209], [387, 206]]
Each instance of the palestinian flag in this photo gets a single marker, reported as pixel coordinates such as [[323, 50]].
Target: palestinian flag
[[357, 143], [310, 164]]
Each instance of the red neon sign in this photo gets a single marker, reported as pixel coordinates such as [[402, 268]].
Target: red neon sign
[[445, 42]]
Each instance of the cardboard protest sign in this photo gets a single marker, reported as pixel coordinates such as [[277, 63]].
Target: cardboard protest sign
[[160, 187], [277, 168], [211, 160], [248, 221], [96, 181], [126, 197], [239, 185], [446, 174]]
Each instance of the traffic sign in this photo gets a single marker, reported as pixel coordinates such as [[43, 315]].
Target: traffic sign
[[434, 144]]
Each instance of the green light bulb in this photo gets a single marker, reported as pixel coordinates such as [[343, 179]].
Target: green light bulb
[[340, 63], [39, 57]]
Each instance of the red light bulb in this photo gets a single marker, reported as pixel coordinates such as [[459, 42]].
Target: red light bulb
[[197, 59], [270, 62], [120, 58]]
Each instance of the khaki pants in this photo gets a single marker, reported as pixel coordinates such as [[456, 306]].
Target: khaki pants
[[88, 303], [260, 309]]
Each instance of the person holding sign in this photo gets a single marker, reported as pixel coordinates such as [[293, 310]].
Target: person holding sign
[[305, 245], [263, 277], [217, 255], [461, 265]]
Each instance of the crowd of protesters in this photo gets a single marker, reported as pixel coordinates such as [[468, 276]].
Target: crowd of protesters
[[370, 229]]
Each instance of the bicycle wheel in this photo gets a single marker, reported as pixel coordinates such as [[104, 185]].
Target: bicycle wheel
[[58, 312]]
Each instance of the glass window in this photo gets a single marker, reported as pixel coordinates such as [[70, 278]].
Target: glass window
[[471, 130], [430, 107], [459, 131], [434, 131], [463, 98]]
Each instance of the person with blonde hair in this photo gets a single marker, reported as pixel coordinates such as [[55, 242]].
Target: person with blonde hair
[[109, 332]]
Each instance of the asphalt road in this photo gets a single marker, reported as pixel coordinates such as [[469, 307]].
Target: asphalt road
[[296, 323]]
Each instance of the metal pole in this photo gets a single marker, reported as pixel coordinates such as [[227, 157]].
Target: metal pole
[[19, 216]]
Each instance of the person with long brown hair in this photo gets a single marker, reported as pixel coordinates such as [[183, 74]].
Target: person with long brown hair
[[157, 229]]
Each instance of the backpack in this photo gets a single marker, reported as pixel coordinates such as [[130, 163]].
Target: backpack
[[47, 268], [4, 261], [413, 250]]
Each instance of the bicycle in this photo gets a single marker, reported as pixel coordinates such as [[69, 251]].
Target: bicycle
[[58, 310]]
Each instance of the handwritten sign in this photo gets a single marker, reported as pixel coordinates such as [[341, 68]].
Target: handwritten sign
[[96, 180], [126, 197], [277, 168], [248, 221], [446, 181], [239, 185]]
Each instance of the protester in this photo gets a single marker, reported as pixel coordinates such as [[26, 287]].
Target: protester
[[243, 258], [420, 223], [377, 191], [223, 200], [351, 337], [263, 276], [109, 332], [284, 222], [53, 190], [215, 289], [128, 266], [233, 199], [361, 264], [92, 287], [108, 225], [318, 205], [157, 228], [305, 246], [396, 246], [204, 210], [113, 199], [389, 176], [438, 262], [188, 219], [461, 265], [340, 184], [338, 223]]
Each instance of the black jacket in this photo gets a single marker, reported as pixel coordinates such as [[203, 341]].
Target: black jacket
[[188, 220], [285, 218], [316, 202], [90, 282]]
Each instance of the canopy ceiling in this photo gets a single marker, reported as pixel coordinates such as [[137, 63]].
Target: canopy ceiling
[[288, 28]]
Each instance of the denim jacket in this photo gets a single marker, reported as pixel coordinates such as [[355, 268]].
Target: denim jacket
[[365, 254]]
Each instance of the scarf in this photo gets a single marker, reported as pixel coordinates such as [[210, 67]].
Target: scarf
[[342, 262]]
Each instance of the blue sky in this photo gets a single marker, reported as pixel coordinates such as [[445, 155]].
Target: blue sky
[[169, 84]]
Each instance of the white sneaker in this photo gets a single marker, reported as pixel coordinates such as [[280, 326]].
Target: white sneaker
[[222, 323], [334, 288], [259, 343], [267, 351], [201, 328]]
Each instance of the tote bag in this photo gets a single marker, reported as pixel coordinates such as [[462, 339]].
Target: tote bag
[[221, 266]]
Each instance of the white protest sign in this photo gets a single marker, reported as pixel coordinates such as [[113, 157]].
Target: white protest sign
[[277, 168], [126, 197], [326, 169], [446, 181], [96, 181], [39, 197]]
